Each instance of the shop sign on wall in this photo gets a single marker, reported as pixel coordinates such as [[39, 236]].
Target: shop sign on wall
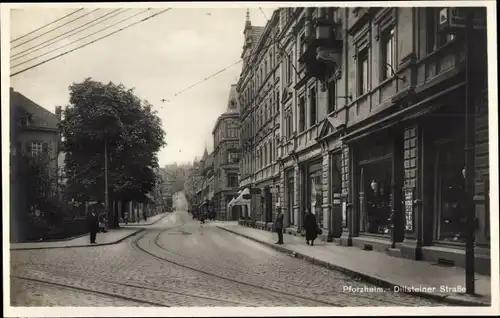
[[408, 200]]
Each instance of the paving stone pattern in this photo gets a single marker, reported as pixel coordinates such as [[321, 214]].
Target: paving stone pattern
[[215, 268]]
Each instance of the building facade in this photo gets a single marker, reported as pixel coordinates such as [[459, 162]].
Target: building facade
[[373, 128], [205, 192], [259, 96], [226, 153]]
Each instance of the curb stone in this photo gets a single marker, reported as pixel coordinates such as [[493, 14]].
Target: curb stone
[[74, 246], [57, 240], [138, 224], [382, 282], [87, 245]]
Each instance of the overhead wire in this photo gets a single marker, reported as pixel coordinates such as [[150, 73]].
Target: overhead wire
[[42, 46], [80, 39], [51, 30], [86, 44], [46, 25], [276, 41]]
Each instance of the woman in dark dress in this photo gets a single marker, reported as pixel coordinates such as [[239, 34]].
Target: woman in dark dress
[[311, 227]]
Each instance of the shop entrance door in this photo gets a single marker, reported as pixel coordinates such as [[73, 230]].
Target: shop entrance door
[[290, 201], [268, 203]]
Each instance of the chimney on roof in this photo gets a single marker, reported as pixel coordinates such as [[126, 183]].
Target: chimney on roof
[[248, 24]]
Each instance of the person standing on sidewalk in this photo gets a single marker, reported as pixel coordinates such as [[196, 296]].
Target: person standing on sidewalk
[[311, 227], [93, 224], [278, 225]]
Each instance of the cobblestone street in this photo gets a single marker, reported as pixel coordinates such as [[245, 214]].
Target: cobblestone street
[[177, 262]]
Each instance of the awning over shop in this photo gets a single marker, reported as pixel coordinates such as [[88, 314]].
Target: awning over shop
[[231, 203], [239, 199]]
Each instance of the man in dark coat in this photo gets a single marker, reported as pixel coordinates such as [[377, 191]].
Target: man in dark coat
[[278, 225], [93, 224], [311, 227]]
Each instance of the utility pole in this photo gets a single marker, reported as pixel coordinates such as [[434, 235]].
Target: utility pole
[[106, 200], [469, 154]]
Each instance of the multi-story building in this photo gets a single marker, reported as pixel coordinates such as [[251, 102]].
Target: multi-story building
[[259, 95], [373, 126], [205, 191], [226, 151]]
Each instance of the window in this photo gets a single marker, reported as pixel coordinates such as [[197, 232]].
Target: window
[[37, 147], [271, 150], [265, 68], [232, 180], [363, 72], [289, 69], [450, 183], [330, 14], [290, 124], [313, 110], [388, 50], [302, 114], [265, 155], [302, 47], [435, 38], [276, 144], [277, 102], [261, 157], [332, 96]]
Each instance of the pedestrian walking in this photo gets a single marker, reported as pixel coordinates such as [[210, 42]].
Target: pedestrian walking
[[125, 217], [202, 217], [93, 226], [311, 227], [145, 216], [278, 225]]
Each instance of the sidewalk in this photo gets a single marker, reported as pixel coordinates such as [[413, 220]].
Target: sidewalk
[[378, 268], [113, 236], [151, 220]]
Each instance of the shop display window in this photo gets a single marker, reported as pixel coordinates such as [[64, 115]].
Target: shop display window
[[451, 194], [377, 187]]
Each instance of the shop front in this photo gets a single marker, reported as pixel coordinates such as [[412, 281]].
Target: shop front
[[289, 217], [404, 191], [313, 190], [443, 190], [374, 220], [334, 184], [262, 204]]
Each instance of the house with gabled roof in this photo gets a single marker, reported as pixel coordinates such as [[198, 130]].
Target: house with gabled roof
[[38, 130]]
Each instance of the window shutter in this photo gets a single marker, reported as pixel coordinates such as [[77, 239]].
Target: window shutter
[[28, 147], [45, 147]]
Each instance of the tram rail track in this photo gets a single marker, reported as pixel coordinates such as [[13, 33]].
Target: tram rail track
[[157, 243], [89, 291]]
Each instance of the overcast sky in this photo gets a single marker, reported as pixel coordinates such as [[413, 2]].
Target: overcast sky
[[159, 57]]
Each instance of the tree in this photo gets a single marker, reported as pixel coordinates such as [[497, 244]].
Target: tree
[[108, 115]]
